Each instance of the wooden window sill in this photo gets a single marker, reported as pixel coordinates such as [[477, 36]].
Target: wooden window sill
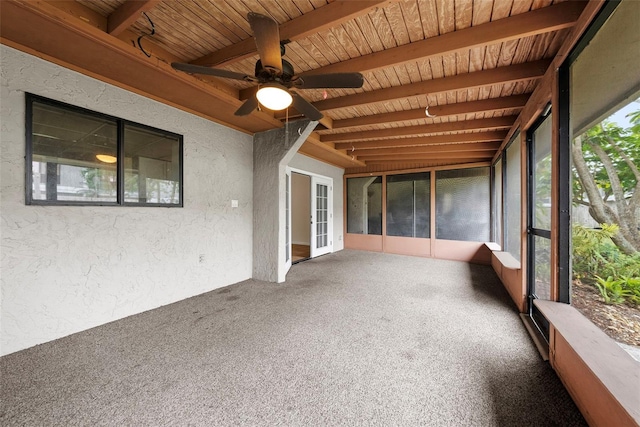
[[507, 260], [611, 365]]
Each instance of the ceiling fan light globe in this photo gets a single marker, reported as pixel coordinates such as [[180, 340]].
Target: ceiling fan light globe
[[274, 98]]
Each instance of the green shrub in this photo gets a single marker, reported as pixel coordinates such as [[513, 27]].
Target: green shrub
[[613, 290], [596, 256]]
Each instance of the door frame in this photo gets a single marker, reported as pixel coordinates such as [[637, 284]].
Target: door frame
[[316, 177]]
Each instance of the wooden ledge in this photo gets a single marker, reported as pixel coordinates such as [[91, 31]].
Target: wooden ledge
[[507, 260], [493, 246], [611, 365]]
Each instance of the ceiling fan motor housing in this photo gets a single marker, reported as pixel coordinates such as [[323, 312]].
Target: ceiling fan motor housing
[[264, 74]]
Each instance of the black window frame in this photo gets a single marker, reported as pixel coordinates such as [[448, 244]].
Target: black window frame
[[120, 170]]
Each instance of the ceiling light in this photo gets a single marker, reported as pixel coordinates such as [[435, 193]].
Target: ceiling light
[[274, 97], [106, 158]]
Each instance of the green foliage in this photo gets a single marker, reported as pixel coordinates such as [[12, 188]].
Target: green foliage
[[614, 140], [613, 290], [596, 256]]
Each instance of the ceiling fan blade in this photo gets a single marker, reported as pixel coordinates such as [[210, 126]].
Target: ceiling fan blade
[[217, 72], [303, 106], [330, 81], [267, 36], [248, 106]]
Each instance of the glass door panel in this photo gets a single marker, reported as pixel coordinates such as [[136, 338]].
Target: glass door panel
[[321, 216]]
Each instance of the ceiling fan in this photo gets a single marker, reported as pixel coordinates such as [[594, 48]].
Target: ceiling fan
[[274, 75]]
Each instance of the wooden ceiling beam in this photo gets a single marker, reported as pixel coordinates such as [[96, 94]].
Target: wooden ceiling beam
[[318, 150], [539, 21], [126, 14], [504, 122], [466, 157], [457, 138], [447, 148], [482, 106], [320, 19], [500, 75], [389, 165]]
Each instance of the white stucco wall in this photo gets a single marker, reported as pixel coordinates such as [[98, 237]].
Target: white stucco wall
[[68, 268], [317, 167]]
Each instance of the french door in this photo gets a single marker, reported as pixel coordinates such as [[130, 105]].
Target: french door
[[321, 216]]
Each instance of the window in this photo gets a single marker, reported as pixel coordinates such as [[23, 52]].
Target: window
[[602, 118], [78, 157], [408, 205], [540, 186], [463, 209], [497, 202], [364, 205], [513, 198]]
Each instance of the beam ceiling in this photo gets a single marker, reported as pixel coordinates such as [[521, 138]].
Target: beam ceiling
[[473, 66]]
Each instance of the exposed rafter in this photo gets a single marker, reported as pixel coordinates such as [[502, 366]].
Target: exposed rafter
[[446, 148], [552, 18], [468, 156], [128, 13], [510, 74], [504, 122], [318, 20], [492, 136], [482, 106]]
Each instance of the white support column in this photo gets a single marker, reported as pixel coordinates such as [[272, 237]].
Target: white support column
[[272, 151]]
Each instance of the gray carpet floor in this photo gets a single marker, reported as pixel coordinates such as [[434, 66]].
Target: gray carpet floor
[[352, 338]]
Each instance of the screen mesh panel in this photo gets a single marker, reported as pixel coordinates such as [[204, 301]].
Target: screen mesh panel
[[364, 205], [542, 175], [463, 204], [497, 202], [513, 192], [542, 273], [408, 205]]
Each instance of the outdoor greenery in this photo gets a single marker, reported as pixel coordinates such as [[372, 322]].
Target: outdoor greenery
[[596, 256], [606, 165]]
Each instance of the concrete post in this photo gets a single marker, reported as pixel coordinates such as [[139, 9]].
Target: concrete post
[[272, 151]]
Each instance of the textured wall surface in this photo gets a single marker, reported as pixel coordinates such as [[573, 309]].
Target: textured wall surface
[[69, 268], [272, 152], [317, 167]]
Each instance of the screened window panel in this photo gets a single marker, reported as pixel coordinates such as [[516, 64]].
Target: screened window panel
[[542, 273], [408, 205], [73, 157], [497, 202], [152, 166], [605, 74], [542, 175], [364, 205], [463, 204], [513, 199]]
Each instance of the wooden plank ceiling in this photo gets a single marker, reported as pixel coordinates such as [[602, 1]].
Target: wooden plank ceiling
[[472, 63]]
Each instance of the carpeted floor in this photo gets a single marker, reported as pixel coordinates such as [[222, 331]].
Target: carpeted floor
[[352, 338]]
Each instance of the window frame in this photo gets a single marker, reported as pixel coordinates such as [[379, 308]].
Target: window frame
[[120, 169]]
